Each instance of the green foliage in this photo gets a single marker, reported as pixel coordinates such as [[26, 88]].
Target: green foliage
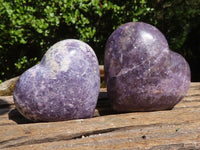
[[179, 20], [176, 19], [28, 28], [23, 63]]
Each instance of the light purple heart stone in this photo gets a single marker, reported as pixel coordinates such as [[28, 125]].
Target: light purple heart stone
[[142, 74], [64, 85]]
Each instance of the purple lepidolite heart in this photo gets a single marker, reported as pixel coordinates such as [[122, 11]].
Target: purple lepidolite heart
[[64, 85], [142, 74]]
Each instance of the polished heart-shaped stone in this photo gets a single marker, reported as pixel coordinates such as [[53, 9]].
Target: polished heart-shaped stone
[[142, 73], [64, 85]]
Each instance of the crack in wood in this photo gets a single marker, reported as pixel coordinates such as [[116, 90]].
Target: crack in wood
[[56, 138], [12, 140], [77, 135], [180, 146]]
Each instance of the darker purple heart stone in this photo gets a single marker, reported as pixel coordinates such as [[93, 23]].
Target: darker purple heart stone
[[142, 74]]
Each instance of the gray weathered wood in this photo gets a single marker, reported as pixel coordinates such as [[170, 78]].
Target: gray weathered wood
[[7, 87], [178, 128]]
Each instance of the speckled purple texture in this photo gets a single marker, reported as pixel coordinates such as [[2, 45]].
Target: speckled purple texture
[[142, 74], [63, 86]]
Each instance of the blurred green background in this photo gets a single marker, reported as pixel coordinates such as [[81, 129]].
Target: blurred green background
[[29, 27]]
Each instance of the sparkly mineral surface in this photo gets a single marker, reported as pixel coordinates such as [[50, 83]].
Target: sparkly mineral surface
[[63, 86], [142, 74]]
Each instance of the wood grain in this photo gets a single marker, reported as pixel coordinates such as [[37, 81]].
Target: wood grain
[[178, 128]]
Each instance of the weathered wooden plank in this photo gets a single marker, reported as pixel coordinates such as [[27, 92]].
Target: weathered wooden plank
[[176, 128], [162, 136], [6, 100], [7, 87], [13, 136]]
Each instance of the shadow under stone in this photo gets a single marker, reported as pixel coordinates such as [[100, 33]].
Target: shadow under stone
[[104, 107], [15, 115]]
